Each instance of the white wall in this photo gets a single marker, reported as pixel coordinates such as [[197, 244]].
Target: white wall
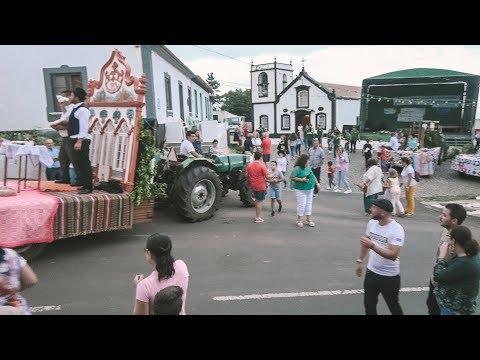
[[347, 112], [263, 109], [23, 100], [280, 73], [160, 66]]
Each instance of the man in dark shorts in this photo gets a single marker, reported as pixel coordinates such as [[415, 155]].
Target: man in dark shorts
[[256, 173]]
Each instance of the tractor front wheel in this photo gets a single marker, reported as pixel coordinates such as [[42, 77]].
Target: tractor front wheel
[[197, 194]]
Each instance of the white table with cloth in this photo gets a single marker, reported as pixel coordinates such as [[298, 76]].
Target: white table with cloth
[[36, 155], [467, 163]]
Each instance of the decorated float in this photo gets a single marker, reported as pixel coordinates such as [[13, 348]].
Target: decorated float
[[40, 212], [467, 164]]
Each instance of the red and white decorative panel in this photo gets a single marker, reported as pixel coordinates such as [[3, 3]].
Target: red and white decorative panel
[[116, 101]]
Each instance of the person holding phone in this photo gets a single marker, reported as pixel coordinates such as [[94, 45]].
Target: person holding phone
[[303, 181]]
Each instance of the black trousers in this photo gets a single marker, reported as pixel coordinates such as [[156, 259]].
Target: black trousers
[[388, 286], [433, 308], [316, 172], [65, 158], [366, 159], [81, 161], [353, 146]]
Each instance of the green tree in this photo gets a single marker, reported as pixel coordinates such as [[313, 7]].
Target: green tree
[[215, 85], [238, 102]]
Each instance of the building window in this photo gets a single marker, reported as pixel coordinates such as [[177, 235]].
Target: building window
[[189, 100], [196, 103], [206, 108], [180, 97], [302, 99], [264, 122], [168, 91], [262, 85], [322, 121], [284, 82], [57, 80], [215, 117], [201, 105], [285, 122]]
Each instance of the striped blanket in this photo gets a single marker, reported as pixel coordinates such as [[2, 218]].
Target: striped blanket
[[90, 213]]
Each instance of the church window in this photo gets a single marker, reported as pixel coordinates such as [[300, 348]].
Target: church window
[[285, 122], [284, 81], [302, 98], [263, 85], [264, 121]]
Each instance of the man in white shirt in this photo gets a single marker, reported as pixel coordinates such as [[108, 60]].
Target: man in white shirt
[[186, 147], [80, 140], [317, 156], [394, 141], [384, 237], [60, 125]]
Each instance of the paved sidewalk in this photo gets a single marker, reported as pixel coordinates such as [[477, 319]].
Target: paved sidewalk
[[472, 206]]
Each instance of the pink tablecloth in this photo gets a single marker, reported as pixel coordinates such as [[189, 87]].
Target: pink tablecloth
[[27, 218]]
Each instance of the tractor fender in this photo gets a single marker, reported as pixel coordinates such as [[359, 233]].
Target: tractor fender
[[199, 162]]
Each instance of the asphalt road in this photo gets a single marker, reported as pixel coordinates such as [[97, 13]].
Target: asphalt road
[[229, 255]]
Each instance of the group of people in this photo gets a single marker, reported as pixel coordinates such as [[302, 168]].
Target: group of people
[[453, 288], [191, 146], [455, 278], [73, 128], [163, 292]]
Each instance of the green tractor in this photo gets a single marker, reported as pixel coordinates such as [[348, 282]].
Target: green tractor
[[195, 186]]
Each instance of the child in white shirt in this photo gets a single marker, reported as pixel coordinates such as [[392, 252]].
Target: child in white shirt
[[282, 165]]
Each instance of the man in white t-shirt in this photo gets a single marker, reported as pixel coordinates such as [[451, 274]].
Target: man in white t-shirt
[[394, 141], [187, 148], [384, 238]]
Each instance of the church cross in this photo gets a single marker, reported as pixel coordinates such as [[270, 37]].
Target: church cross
[[303, 63]]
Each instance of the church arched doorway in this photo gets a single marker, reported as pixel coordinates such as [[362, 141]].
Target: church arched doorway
[[301, 118]]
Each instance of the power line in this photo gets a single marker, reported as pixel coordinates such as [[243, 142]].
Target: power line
[[219, 53]]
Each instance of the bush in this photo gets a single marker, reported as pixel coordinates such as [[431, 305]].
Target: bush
[[469, 149], [37, 136], [452, 152]]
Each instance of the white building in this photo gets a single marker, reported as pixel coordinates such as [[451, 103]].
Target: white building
[[281, 101], [33, 74]]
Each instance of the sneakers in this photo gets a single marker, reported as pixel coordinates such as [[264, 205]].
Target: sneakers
[[259, 220], [349, 191], [311, 224], [329, 188], [299, 224], [337, 190], [280, 208], [335, 187], [272, 213]]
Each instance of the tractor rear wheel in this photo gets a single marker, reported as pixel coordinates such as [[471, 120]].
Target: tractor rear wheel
[[246, 194], [197, 194], [30, 251]]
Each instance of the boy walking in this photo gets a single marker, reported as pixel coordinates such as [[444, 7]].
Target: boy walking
[[274, 179], [331, 175], [256, 172]]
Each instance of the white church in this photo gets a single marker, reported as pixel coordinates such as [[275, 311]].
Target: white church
[[280, 101]]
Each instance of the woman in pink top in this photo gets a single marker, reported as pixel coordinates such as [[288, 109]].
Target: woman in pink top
[[342, 167], [167, 273]]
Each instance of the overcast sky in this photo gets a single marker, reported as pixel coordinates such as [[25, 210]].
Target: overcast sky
[[340, 64]]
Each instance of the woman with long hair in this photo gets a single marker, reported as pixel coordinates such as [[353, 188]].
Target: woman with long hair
[[410, 184], [168, 272], [303, 181], [458, 278], [15, 276], [342, 167]]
